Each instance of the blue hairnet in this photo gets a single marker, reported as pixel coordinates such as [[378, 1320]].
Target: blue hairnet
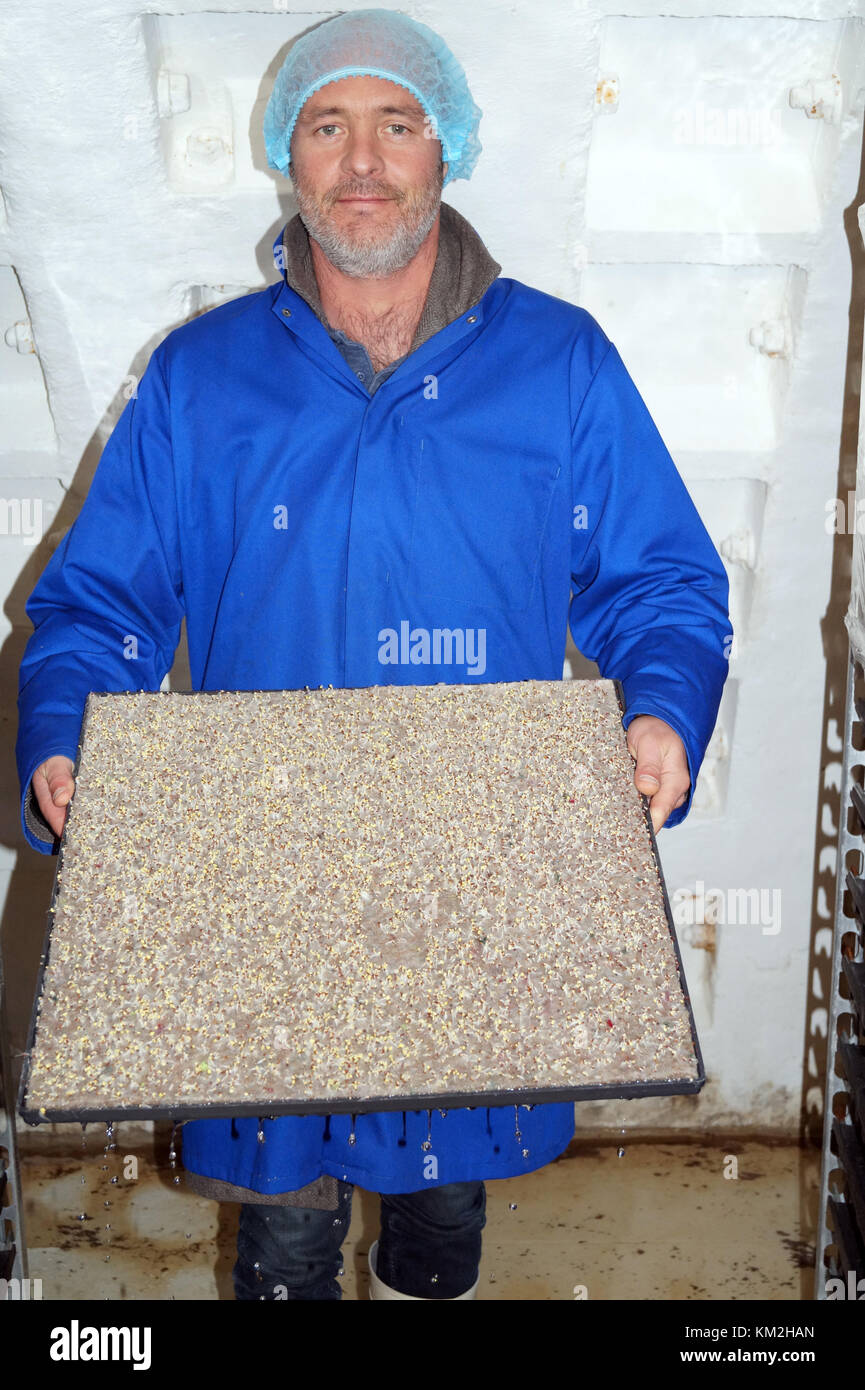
[[377, 43]]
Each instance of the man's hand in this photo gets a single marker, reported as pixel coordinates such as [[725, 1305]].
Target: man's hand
[[53, 786], [662, 766]]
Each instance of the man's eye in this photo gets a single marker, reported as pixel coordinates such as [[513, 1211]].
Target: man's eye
[[327, 127], [395, 125]]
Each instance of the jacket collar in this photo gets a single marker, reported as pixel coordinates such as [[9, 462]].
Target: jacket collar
[[463, 271]]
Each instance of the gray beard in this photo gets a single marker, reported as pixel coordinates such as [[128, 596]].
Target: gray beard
[[369, 257]]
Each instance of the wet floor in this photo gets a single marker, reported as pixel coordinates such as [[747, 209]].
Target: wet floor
[[675, 1219]]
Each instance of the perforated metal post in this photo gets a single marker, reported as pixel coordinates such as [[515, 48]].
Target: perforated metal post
[[13, 1249], [841, 1235]]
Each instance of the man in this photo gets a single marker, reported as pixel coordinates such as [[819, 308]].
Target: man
[[392, 439]]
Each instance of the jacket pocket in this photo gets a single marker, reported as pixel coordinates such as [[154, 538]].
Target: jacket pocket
[[479, 522]]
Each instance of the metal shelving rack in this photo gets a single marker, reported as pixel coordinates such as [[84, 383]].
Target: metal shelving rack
[[841, 1237], [13, 1249], [840, 1251]]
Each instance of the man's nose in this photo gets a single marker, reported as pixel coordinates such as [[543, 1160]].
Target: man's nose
[[362, 156]]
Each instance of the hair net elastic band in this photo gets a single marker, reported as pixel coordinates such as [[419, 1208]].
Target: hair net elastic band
[[447, 152]]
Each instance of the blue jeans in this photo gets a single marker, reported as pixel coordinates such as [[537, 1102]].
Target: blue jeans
[[429, 1246]]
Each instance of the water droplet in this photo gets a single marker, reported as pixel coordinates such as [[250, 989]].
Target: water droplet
[[189, 1235], [108, 1226], [83, 1216], [257, 1265], [114, 1180], [106, 1204], [426, 1145], [513, 1206], [620, 1152], [525, 1153], [341, 1269], [83, 1181], [337, 1221], [434, 1279], [176, 1182], [492, 1278], [107, 1258]]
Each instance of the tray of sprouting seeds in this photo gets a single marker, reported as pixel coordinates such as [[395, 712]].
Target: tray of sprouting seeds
[[288, 902]]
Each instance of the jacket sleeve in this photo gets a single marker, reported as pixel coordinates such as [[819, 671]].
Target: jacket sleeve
[[650, 592], [108, 608]]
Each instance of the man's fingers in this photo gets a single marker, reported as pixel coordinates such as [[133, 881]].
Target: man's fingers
[[54, 787], [666, 789], [668, 799], [54, 815], [648, 775], [61, 789], [661, 773], [61, 783], [660, 812]]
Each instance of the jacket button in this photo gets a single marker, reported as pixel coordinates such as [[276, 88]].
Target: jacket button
[[287, 313]]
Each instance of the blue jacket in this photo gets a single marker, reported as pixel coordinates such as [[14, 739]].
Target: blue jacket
[[505, 479]]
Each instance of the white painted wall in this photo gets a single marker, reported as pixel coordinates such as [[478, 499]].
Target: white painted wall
[[691, 208]]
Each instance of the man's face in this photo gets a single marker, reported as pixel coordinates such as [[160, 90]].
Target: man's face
[[367, 175]]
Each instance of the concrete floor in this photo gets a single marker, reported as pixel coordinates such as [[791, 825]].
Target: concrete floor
[[661, 1222]]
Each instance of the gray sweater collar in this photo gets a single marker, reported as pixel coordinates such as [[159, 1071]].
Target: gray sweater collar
[[463, 272]]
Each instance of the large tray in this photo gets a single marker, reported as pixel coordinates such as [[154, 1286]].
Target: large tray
[[396, 767]]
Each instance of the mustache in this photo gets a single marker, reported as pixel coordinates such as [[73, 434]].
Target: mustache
[[374, 192]]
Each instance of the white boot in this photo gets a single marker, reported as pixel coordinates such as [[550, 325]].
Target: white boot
[[378, 1289]]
